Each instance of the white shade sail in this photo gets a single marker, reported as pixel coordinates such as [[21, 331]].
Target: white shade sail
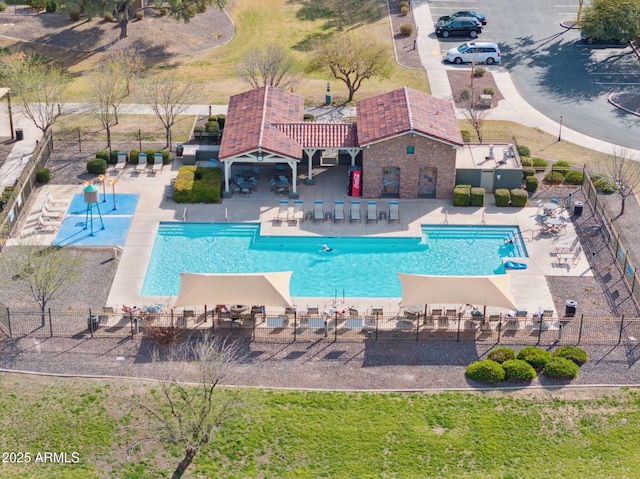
[[493, 290], [268, 289]]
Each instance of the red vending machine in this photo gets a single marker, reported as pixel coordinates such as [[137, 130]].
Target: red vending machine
[[355, 181]]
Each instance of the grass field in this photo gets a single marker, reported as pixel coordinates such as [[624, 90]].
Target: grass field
[[338, 435]]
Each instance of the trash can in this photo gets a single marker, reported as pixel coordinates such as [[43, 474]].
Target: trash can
[[19, 134], [577, 208], [179, 149], [570, 309], [93, 323]]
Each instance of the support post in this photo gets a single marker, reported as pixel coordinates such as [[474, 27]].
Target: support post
[[51, 324]]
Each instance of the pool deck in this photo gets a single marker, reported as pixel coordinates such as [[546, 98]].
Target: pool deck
[[529, 286]]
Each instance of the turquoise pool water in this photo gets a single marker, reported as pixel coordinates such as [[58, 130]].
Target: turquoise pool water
[[356, 266]]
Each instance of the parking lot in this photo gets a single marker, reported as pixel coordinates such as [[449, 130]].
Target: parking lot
[[552, 69]]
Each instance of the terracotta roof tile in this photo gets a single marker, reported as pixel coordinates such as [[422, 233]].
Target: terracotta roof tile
[[319, 135]]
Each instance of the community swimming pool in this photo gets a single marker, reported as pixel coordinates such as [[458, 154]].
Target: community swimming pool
[[355, 266]]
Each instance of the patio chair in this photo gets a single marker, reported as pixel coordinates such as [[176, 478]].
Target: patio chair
[[567, 249], [298, 211], [372, 211], [51, 201], [338, 211], [47, 225], [355, 211], [394, 211], [573, 257], [283, 212], [122, 161], [49, 214], [318, 211], [157, 162], [142, 163]]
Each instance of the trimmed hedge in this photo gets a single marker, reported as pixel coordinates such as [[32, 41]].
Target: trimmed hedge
[[554, 177], [195, 184], [43, 175], [308, 117], [539, 162], [537, 357], [134, 157], [477, 196], [103, 154], [461, 195], [519, 370], [466, 136], [531, 183], [528, 171], [574, 177], [501, 354], [486, 371], [573, 353], [502, 196], [561, 368], [523, 151], [97, 166], [519, 198], [526, 161], [150, 152], [113, 157], [561, 166], [166, 157]]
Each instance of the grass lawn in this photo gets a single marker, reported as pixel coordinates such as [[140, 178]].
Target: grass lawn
[[528, 434]]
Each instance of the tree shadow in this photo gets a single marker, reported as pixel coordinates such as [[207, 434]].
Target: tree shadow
[[341, 15]]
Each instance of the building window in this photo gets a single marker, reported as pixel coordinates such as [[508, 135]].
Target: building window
[[411, 150]]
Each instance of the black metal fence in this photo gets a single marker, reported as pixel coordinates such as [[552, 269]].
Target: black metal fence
[[337, 328]]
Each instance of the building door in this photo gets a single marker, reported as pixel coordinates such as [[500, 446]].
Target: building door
[[486, 180], [390, 182], [427, 181]]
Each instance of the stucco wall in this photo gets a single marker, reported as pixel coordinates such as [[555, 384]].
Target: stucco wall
[[393, 152]]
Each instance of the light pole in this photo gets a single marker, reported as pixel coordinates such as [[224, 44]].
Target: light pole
[[112, 182], [560, 132], [103, 179]]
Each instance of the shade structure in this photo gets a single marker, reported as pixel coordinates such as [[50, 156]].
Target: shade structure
[[492, 290], [268, 289]]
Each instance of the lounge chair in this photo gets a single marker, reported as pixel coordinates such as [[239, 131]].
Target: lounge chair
[[338, 211], [142, 162], [283, 212], [355, 211], [567, 249], [318, 211], [298, 210], [372, 211], [573, 257], [122, 161], [56, 202], [49, 214], [157, 162], [46, 224], [394, 211]]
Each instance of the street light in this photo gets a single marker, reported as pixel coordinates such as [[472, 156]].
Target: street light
[[560, 132], [112, 182], [103, 179]]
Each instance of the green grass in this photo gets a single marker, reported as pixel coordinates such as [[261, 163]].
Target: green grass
[[337, 435]]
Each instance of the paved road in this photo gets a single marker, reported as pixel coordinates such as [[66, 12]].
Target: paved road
[[553, 71]]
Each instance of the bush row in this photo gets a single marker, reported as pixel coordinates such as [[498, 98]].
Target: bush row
[[98, 165], [561, 171], [466, 195], [504, 364]]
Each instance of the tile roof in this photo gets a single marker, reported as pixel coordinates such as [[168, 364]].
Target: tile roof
[[249, 117], [319, 135], [404, 110]]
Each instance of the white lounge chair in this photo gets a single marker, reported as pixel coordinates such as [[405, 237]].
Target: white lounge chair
[[283, 212], [372, 211], [574, 258], [46, 224], [338, 211], [51, 201], [298, 210], [157, 162], [394, 211], [318, 211], [355, 211], [142, 162], [567, 248], [122, 161], [55, 214]]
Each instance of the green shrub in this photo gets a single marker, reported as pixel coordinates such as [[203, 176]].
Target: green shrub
[[308, 117], [97, 166], [528, 171], [554, 177], [479, 72], [488, 91], [198, 129], [487, 371], [403, 3], [43, 175], [461, 195], [561, 368], [50, 8], [201, 7], [3, 6], [604, 184], [537, 357], [212, 127], [113, 157], [539, 162], [37, 4], [531, 184], [134, 157], [574, 177], [573, 353], [561, 166], [166, 157], [75, 15], [526, 161], [404, 11], [104, 154], [501, 354], [406, 29], [198, 185], [519, 370], [222, 119], [477, 197], [466, 136], [519, 198], [465, 94], [150, 152], [502, 196], [523, 151]]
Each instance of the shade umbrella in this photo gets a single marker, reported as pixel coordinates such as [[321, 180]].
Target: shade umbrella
[[491, 290], [268, 289]]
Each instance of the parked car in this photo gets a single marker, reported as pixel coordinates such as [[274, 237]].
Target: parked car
[[478, 52], [463, 26], [609, 41], [463, 13]]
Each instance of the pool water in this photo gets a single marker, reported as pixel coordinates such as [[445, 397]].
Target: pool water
[[355, 266]]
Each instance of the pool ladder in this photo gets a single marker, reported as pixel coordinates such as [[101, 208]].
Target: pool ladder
[[521, 235], [184, 214]]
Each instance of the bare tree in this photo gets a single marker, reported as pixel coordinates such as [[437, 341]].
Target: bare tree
[[624, 171], [271, 65], [352, 59], [38, 85], [109, 89], [47, 271], [190, 414], [475, 114], [168, 97], [128, 60]]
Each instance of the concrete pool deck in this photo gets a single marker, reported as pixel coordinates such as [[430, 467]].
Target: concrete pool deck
[[529, 286]]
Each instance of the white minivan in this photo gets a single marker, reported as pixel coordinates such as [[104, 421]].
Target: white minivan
[[478, 52]]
